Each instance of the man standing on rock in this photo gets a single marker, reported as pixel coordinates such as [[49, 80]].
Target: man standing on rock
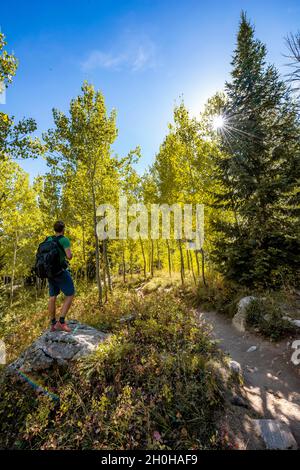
[[61, 282]]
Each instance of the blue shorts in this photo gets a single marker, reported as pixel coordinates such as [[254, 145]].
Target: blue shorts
[[63, 282]]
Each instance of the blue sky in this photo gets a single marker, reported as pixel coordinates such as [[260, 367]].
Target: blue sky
[[144, 55]]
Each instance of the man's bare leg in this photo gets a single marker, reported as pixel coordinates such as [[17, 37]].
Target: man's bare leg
[[52, 311], [61, 325], [66, 305], [52, 307]]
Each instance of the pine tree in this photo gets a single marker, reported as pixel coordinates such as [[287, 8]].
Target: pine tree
[[259, 169]]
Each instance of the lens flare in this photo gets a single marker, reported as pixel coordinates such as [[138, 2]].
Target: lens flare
[[218, 122]]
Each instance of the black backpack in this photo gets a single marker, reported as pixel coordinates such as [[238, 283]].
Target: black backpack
[[47, 263]]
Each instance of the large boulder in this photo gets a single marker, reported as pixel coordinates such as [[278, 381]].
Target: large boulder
[[239, 319], [59, 348]]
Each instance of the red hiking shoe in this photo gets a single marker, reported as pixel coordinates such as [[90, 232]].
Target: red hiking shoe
[[53, 327], [62, 327]]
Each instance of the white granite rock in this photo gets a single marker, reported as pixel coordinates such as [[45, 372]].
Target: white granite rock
[[235, 367], [59, 347], [239, 319]]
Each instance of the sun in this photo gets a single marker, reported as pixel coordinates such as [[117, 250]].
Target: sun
[[218, 122]]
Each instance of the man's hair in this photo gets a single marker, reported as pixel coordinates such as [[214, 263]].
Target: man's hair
[[59, 226]]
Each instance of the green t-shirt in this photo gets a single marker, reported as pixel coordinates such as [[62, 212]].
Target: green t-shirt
[[65, 243]]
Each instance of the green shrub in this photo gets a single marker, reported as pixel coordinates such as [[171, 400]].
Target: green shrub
[[265, 314], [218, 295]]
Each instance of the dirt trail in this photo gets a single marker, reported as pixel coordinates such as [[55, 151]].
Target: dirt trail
[[272, 382]]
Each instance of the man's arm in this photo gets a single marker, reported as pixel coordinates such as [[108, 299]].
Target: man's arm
[[65, 242], [68, 253]]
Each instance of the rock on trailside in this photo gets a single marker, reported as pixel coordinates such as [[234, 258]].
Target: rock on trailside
[[59, 348], [239, 319]]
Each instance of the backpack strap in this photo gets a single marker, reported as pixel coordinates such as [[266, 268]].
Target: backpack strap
[[65, 263], [56, 239]]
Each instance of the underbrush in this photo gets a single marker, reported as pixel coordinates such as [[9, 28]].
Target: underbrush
[[154, 384], [217, 295], [22, 322]]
